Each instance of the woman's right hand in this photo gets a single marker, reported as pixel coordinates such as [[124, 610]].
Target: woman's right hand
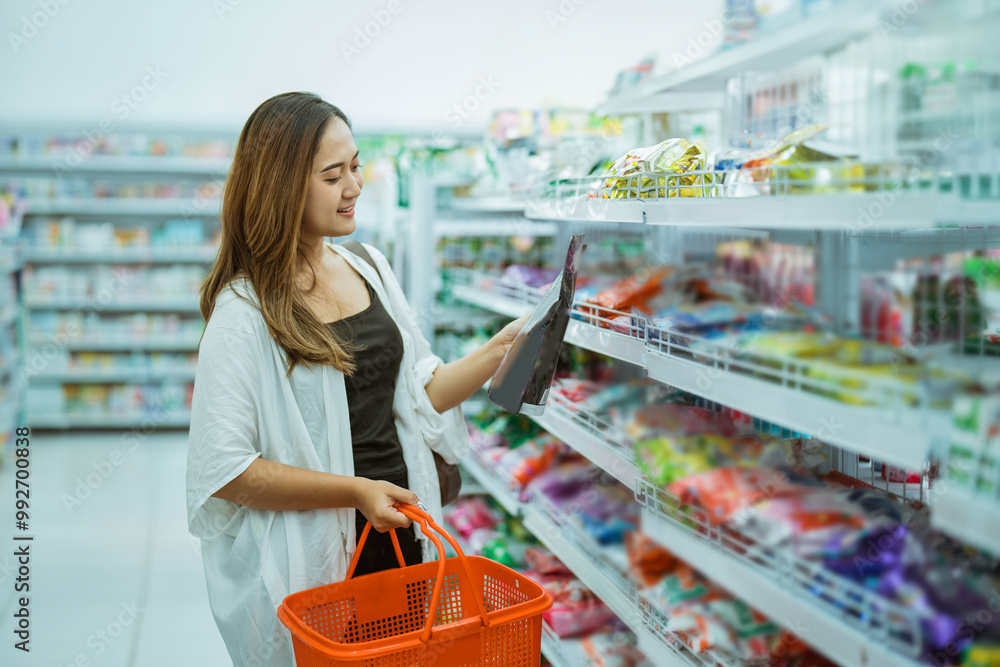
[[375, 499]]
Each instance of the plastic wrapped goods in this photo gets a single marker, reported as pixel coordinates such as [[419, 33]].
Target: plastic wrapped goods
[[521, 383]]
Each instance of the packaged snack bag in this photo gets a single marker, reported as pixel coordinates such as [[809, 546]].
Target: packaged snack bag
[[521, 383], [648, 561], [637, 173]]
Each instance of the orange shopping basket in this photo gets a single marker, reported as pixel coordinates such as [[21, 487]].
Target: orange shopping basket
[[463, 611]]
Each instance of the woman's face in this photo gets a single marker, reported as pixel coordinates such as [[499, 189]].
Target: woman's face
[[335, 183]]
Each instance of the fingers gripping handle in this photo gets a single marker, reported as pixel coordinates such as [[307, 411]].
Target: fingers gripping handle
[[427, 523]]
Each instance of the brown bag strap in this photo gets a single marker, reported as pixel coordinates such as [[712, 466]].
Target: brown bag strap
[[361, 251]]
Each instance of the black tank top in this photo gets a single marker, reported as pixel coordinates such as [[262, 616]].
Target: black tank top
[[371, 389]]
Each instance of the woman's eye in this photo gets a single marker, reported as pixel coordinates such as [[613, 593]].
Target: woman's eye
[[333, 180], [356, 167]]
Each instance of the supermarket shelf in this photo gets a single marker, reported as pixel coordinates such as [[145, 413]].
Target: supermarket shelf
[[491, 302], [58, 165], [8, 315], [129, 375], [146, 255], [836, 212], [501, 493], [9, 365], [97, 420], [501, 227], [883, 252], [562, 652], [592, 572], [820, 627], [702, 100], [789, 593], [165, 306], [815, 35], [10, 261], [589, 441], [165, 206], [904, 437], [108, 344], [578, 333], [970, 517], [487, 204], [584, 565]]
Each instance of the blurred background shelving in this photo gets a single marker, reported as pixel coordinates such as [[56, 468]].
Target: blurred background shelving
[[800, 282]]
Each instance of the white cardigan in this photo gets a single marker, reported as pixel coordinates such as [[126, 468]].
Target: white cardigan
[[244, 406]]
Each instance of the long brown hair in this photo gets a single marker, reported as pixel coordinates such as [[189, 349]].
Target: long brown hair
[[262, 209]]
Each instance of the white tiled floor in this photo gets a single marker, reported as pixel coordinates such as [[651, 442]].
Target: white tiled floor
[[116, 580]]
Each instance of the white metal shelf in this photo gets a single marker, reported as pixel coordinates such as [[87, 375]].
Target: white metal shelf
[[113, 343], [782, 597], [99, 420], [815, 35], [8, 315], [562, 652], [968, 516], [127, 375], [834, 212], [57, 164], [9, 365], [605, 341], [901, 435], [590, 441], [593, 573], [591, 444], [491, 227], [503, 494], [145, 255], [152, 306], [487, 204], [165, 206]]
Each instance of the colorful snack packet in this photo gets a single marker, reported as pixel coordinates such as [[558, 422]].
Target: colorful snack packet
[[625, 294], [637, 174], [648, 561]]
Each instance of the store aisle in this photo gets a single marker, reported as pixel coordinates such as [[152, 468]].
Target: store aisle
[[116, 580]]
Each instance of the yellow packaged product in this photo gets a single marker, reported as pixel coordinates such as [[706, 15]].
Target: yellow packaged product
[[638, 172]]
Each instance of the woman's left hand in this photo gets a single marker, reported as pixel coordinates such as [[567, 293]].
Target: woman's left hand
[[507, 335]]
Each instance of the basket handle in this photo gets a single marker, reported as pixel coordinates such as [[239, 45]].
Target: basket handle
[[427, 523]]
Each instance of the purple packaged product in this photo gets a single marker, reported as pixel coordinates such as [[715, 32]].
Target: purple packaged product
[[528, 275], [521, 383]]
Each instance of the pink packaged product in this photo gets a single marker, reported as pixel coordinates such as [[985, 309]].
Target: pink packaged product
[[575, 609], [471, 514]]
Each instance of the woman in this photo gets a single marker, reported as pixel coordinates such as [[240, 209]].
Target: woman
[[316, 398]]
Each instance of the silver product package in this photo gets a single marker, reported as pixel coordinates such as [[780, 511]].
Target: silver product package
[[521, 384]]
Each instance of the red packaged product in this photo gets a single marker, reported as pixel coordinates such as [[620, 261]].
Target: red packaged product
[[723, 492], [648, 561], [628, 293]]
